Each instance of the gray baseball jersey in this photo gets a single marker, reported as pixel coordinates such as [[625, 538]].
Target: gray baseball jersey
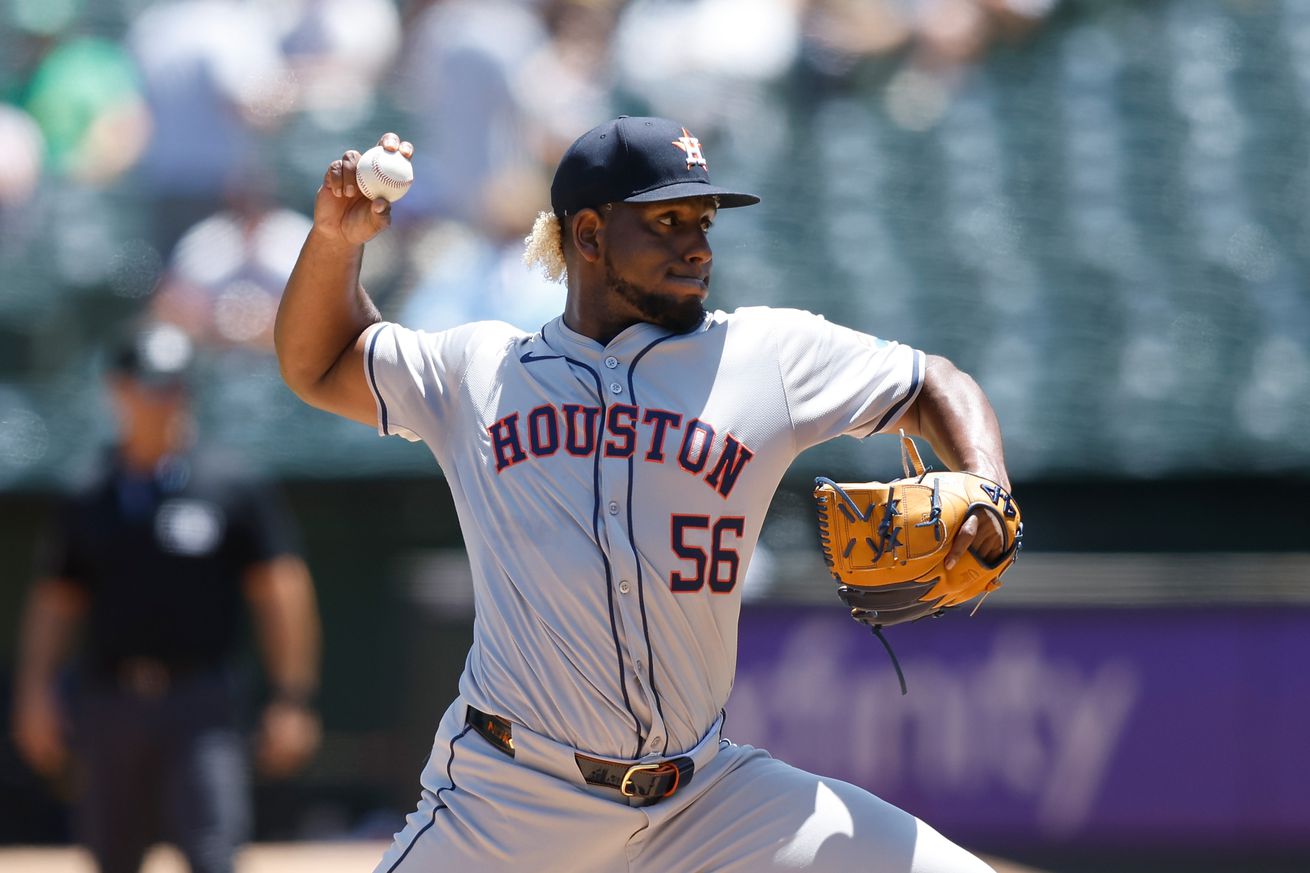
[[611, 497]]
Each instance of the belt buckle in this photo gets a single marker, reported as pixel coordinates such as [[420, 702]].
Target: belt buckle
[[627, 778]]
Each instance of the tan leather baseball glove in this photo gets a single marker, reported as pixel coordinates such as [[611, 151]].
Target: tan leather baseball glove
[[887, 542]]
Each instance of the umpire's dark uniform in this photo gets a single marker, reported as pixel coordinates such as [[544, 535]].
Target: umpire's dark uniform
[[162, 560]]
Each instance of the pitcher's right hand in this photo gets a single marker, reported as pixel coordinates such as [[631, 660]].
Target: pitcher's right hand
[[341, 212]]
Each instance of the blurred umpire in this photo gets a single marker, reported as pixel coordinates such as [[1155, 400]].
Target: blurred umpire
[[155, 563]]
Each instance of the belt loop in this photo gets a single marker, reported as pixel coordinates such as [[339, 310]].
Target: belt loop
[[491, 728]]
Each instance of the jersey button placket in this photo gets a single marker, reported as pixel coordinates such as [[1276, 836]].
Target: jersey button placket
[[614, 479], [624, 563]]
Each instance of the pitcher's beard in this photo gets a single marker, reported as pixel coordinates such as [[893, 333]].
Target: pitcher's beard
[[672, 312]]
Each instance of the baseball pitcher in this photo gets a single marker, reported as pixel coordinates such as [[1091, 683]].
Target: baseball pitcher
[[611, 472]]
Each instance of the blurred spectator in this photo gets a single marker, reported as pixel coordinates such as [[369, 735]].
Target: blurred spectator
[[840, 34], [925, 44], [214, 76], [458, 81], [155, 559], [22, 145], [519, 79], [86, 97], [338, 50], [477, 273], [228, 271], [704, 61], [565, 86]]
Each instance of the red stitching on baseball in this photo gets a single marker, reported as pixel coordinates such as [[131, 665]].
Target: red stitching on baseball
[[384, 177]]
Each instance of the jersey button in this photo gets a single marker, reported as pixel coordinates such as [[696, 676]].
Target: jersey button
[[611, 362], [624, 587], [614, 508], [655, 741], [616, 388]]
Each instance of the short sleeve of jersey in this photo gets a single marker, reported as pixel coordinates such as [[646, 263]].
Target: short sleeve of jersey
[[263, 527], [60, 554], [414, 374], [841, 381]]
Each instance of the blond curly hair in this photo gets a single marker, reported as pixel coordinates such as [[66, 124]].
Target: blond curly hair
[[544, 247]]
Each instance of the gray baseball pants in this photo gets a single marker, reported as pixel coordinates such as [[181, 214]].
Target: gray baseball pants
[[743, 811]]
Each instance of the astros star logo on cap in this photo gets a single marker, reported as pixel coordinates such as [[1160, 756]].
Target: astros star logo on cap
[[691, 146]]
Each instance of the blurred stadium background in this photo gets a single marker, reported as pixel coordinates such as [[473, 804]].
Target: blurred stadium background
[[1098, 207]]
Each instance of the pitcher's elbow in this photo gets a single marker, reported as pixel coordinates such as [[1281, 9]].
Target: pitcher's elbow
[[301, 379]]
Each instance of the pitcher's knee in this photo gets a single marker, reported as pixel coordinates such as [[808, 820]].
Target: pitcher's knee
[[933, 853], [886, 839]]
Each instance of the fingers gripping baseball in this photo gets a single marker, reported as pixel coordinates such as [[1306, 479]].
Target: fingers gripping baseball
[[393, 143], [341, 209]]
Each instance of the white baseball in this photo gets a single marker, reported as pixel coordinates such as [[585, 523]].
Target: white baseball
[[384, 174]]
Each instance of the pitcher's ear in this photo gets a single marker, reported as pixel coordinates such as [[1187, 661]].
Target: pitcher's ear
[[586, 230]]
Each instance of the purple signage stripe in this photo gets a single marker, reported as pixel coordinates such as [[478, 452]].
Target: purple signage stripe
[[1076, 727]]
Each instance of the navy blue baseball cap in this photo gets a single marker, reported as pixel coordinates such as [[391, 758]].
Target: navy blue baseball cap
[[635, 160]]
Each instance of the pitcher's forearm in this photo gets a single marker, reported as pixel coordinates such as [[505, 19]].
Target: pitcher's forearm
[[954, 415], [323, 311]]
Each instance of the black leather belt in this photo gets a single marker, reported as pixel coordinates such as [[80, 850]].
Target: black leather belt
[[650, 782]]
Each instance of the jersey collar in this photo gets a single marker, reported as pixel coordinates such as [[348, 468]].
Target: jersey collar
[[560, 337]]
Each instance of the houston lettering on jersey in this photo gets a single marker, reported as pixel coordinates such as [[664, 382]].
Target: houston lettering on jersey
[[654, 435]]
